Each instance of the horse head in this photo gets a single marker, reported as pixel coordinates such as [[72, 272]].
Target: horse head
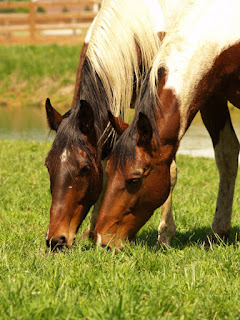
[[138, 183], [75, 172]]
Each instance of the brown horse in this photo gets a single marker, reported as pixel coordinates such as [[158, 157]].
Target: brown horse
[[118, 51], [197, 68]]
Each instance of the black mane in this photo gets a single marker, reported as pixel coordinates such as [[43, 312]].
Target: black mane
[[69, 134], [146, 103]]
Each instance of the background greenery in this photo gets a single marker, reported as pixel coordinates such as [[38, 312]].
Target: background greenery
[[29, 74], [141, 282]]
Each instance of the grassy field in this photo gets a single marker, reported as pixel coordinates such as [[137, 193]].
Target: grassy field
[[142, 282], [29, 74]]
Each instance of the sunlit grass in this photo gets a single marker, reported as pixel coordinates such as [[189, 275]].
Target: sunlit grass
[[28, 74], [38, 61], [141, 282]]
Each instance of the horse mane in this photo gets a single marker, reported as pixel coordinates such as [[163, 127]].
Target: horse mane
[[124, 150], [187, 53], [122, 30], [69, 133]]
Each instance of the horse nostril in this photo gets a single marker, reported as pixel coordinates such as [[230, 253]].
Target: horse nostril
[[62, 240], [56, 244]]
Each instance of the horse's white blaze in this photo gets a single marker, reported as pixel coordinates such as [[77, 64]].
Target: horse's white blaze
[[63, 156], [204, 29]]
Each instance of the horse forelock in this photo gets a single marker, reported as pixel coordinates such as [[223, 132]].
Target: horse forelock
[[121, 27]]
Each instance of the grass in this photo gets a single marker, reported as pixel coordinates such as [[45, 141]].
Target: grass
[[28, 74], [142, 282]]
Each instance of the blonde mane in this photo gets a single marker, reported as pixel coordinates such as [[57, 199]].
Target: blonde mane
[[120, 28]]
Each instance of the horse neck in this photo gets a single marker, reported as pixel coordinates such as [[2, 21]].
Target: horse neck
[[167, 115], [170, 11], [189, 53]]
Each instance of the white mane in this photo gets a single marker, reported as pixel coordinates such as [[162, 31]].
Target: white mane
[[118, 27], [204, 29]]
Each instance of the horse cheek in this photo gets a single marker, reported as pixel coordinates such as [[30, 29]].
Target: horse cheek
[[160, 186]]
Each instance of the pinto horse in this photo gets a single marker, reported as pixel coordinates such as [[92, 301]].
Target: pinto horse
[[197, 69], [119, 49]]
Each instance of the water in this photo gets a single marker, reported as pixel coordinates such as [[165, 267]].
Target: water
[[24, 124], [30, 124], [197, 141]]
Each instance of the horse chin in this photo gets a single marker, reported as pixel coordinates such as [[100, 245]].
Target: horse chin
[[114, 235], [110, 241]]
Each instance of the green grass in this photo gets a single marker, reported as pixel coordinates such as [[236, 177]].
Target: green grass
[[31, 73], [142, 282], [38, 61]]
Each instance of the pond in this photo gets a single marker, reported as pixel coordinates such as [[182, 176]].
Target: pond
[[30, 124], [25, 124]]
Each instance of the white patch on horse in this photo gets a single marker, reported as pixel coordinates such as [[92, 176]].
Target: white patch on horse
[[63, 156], [99, 239], [156, 13], [190, 48]]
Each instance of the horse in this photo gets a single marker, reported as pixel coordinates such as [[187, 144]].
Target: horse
[[118, 51], [196, 69]]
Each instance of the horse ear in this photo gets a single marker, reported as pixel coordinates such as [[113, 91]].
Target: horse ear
[[86, 117], [53, 117], [144, 129], [118, 125]]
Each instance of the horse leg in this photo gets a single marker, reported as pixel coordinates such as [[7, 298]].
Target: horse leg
[[88, 233], [216, 118], [167, 227]]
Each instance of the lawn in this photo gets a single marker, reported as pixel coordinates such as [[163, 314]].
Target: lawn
[[141, 282], [29, 74]]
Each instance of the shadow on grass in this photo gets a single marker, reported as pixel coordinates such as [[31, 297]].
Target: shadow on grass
[[181, 240]]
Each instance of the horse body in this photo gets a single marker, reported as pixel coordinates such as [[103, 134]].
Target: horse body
[[108, 78], [197, 68]]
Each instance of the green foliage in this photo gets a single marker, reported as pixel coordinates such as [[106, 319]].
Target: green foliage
[[15, 0], [28, 62], [33, 73], [65, 9], [142, 282], [16, 10], [41, 10]]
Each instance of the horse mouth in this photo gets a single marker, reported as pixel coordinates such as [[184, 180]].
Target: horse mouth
[[57, 245]]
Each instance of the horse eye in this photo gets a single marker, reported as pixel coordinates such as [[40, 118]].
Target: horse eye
[[134, 181], [84, 171]]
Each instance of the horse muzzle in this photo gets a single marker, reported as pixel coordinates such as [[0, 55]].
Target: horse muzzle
[[57, 244]]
